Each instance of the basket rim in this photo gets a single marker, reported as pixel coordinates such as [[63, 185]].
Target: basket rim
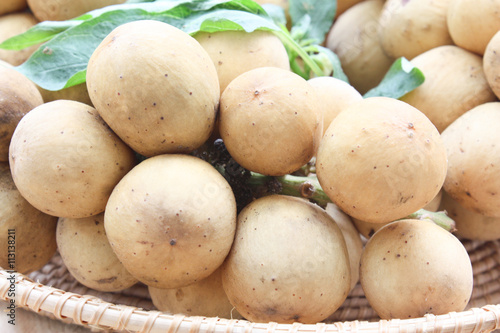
[[93, 312]]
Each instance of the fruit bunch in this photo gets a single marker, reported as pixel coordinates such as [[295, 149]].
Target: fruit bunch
[[239, 174]]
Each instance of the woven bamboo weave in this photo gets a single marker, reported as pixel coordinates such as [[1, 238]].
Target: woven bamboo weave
[[53, 292]]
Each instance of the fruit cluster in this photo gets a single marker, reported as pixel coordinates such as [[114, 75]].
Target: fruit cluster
[[204, 168]]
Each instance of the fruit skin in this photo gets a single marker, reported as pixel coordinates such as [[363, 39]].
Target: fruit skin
[[491, 64], [482, 22], [413, 267], [409, 28], [270, 121], [203, 298], [367, 229], [354, 38], [158, 102], [171, 220], [18, 96], [473, 175], [86, 253], [352, 239], [335, 95], [77, 93], [31, 233], [65, 160], [343, 5], [10, 6], [60, 10], [289, 262], [11, 25], [381, 160], [236, 52], [469, 224], [454, 83]]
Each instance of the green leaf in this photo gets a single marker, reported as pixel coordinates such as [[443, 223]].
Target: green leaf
[[39, 33], [223, 20], [62, 60], [54, 65], [311, 21], [300, 28], [321, 14], [400, 79], [295, 52], [326, 61], [46, 30], [277, 13]]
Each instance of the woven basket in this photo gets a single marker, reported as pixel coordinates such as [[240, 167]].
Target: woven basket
[[58, 295]]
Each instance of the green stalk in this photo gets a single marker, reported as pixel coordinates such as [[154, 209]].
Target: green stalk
[[290, 43], [440, 218], [297, 70], [298, 186], [309, 188]]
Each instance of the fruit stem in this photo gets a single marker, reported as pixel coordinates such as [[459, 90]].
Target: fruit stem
[[293, 46], [298, 186], [440, 218], [308, 187]]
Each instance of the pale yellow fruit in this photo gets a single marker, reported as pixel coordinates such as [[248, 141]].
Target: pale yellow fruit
[[203, 298], [86, 253], [473, 176], [409, 28], [78, 93], [472, 23], [334, 96], [158, 102], [381, 160], [352, 239], [354, 38], [343, 5], [288, 263], [270, 120], [18, 96], [491, 63], [433, 206], [27, 235], [10, 6], [469, 224], [60, 10], [454, 83], [10, 26], [410, 268], [171, 220], [236, 52], [367, 229], [65, 160]]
